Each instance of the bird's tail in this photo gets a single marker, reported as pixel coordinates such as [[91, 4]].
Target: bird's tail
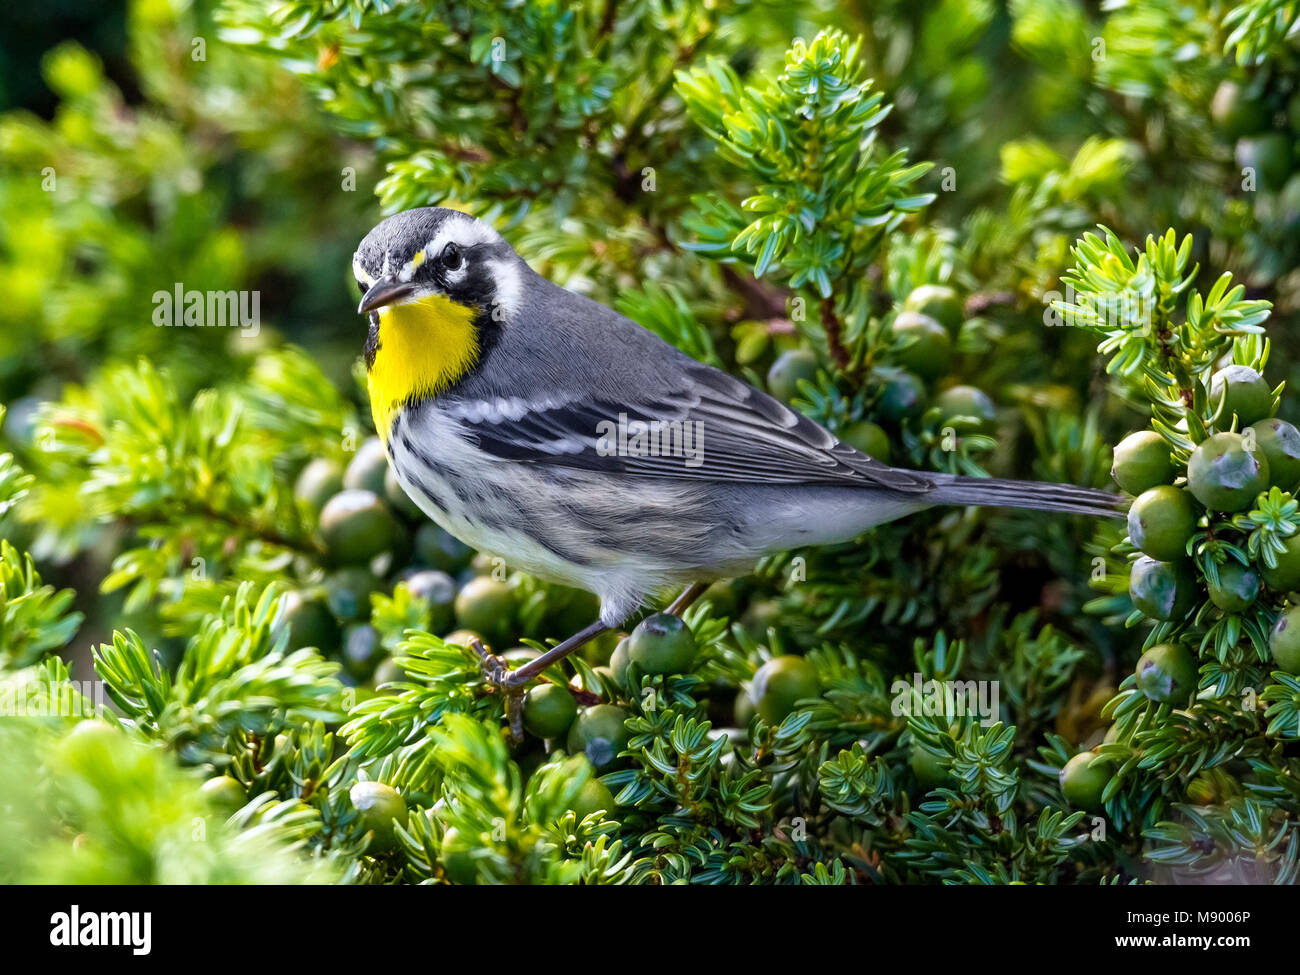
[[1039, 495]]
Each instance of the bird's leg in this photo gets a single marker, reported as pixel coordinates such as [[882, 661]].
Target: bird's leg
[[683, 602], [511, 682], [504, 677]]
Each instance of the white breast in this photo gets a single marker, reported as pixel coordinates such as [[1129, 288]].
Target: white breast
[[503, 508]]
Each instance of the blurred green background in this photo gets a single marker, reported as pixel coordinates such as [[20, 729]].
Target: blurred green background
[[245, 146]]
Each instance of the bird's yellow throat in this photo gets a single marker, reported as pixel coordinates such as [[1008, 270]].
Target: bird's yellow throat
[[424, 347]]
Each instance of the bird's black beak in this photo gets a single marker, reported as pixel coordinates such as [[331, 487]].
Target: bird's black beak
[[384, 292]]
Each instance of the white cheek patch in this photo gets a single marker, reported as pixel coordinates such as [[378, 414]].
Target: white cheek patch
[[509, 289]]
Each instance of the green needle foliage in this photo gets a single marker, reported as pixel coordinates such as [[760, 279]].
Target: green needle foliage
[[36, 618], [822, 205], [966, 237]]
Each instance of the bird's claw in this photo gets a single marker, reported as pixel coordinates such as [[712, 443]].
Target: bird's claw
[[500, 677], [496, 671]]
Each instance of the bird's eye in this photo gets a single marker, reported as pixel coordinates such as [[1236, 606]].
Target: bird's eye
[[452, 257]]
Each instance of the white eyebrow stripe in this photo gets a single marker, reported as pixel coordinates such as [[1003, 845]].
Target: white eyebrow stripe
[[464, 231]]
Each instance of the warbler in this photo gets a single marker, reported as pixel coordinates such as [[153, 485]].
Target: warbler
[[538, 425]]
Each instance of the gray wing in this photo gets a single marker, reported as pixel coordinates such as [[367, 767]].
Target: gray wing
[[725, 430]]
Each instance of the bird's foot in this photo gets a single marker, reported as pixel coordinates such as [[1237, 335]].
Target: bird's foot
[[501, 679], [495, 669]]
